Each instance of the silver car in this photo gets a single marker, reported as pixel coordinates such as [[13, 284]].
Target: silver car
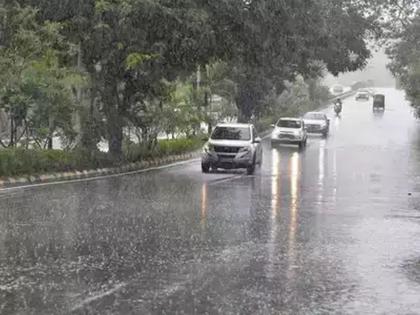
[[232, 146], [290, 131], [362, 95], [317, 122]]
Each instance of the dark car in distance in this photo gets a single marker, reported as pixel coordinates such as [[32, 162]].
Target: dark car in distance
[[379, 102]]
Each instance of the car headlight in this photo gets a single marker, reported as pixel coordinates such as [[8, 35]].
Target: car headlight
[[276, 132], [208, 148], [245, 150]]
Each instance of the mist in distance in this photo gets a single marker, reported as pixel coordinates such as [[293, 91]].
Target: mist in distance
[[376, 70]]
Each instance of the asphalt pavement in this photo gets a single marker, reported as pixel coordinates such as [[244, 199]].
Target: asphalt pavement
[[331, 229]]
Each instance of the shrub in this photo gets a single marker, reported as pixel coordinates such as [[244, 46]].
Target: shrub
[[178, 146], [19, 161], [138, 152]]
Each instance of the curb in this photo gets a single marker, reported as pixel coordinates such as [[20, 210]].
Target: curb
[[124, 169]]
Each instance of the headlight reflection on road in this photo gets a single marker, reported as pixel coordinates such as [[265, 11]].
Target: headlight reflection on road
[[335, 175], [275, 207], [337, 121], [204, 204], [294, 191], [294, 204], [275, 184], [321, 171]]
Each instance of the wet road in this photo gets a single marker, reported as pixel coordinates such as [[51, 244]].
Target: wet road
[[333, 229]]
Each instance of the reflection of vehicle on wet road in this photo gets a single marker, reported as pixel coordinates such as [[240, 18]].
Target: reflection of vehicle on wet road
[[290, 131], [362, 95], [232, 146], [379, 102], [317, 122]]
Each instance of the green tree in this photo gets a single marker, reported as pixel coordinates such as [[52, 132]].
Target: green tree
[[268, 42], [405, 65], [136, 52], [35, 92]]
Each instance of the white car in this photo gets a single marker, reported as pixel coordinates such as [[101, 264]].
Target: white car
[[232, 146], [290, 131], [317, 122], [362, 95]]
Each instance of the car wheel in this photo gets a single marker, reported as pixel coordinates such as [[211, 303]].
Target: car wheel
[[301, 145], [251, 169], [205, 168], [325, 134]]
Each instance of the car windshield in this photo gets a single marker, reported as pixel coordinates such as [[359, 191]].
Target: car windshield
[[231, 133], [289, 124], [314, 116]]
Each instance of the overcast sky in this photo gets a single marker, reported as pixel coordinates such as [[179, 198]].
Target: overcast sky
[[376, 70]]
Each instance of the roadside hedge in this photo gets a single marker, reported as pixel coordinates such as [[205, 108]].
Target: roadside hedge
[[138, 152], [20, 162]]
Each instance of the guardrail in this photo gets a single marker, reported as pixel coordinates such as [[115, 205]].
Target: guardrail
[[344, 95]]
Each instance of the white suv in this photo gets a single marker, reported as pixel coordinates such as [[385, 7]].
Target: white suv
[[232, 146], [290, 131]]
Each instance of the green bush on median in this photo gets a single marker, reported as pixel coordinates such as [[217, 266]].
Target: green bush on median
[[138, 152], [18, 161], [21, 162]]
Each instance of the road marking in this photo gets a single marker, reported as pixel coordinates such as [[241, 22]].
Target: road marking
[[72, 181], [224, 180], [98, 297]]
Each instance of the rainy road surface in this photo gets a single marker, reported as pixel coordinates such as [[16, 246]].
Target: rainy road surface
[[334, 229]]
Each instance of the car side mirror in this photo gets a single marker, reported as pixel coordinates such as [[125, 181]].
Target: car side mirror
[[257, 140]]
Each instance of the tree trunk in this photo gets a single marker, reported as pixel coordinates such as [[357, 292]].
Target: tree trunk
[[50, 143], [115, 131], [115, 139], [114, 119], [12, 131], [51, 133], [246, 102]]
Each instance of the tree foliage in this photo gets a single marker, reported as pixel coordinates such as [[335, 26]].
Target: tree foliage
[[405, 54], [141, 57], [35, 89], [268, 42]]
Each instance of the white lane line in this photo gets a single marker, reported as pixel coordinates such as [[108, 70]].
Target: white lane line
[[97, 296], [98, 177], [224, 180]]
